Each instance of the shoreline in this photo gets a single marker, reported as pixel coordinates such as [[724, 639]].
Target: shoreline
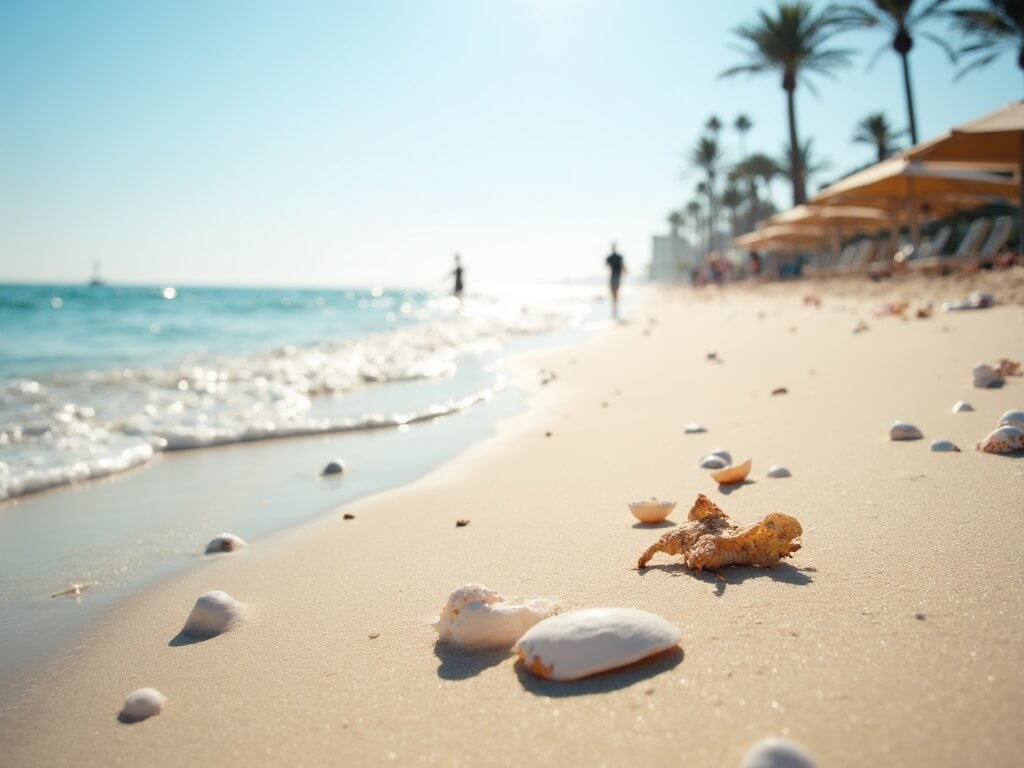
[[826, 649]]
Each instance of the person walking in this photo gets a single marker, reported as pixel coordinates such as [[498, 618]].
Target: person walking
[[457, 273], [617, 268]]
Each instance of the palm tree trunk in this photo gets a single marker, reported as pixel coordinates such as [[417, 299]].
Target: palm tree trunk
[[910, 97], [795, 166]]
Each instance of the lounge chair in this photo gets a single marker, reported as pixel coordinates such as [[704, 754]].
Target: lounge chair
[[824, 270], [862, 256], [996, 241], [946, 262], [932, 246]]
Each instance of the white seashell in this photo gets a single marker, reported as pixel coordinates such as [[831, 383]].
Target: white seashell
[[901, 430], [985, 376], [860, 327], [652, 510], [731, 475], [778, 470], [723, 454], [1013, 418], [213, 613], [944, 445], [140, 704], [962, 406], [582, 643], [694, 429], [478, 617], [713, 461], [336, 467], [777, 753], [225, 542], [1005, 439]]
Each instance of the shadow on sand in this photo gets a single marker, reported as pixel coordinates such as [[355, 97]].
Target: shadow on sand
[[735, 575], [182, 638], [605, 682], [652, 526], [462, 663], [727, 490]]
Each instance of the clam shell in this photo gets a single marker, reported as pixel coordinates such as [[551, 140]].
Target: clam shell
[[735, 474], [140, 704], [777, 753], [961, 406], [694, 429], [777, 470], [213, 613], [1012, 418], [944, 445], [478, 617], [1005, 439], [713, 461], [723, 454], [651, 510], [901, 430], [225, 542], [985, 376], [335, 467], [582, 643]]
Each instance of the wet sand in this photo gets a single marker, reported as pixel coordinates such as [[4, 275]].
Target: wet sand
[[889, 639]]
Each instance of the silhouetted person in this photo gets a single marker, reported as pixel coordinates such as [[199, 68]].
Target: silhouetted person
[[457, 272], [617, 268]]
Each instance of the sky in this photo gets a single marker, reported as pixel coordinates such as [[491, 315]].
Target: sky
[[352, 143]]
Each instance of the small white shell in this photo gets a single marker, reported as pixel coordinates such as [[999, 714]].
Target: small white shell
[[777, 470], [478, 617], [582, 643], [944, 445], [777, 753], [694, 429], [213, 613], [860, 327], [713, 461], [961, 406], [985, 376], [140, 704], [723, 454], [901, 430], [1013, 418], [1005, 439], [225, 542], [651, 510], [335, 467]]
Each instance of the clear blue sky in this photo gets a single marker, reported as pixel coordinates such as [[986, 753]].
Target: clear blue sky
[[360, 142]]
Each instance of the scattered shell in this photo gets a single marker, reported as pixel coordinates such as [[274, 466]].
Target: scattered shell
[[1012, 419], [652, 510], [731, 475], [985, 376], [461, 522], [374, 635], [962, 406], [777, 470], [582, 643], [336, 467], [214, 612], [722, 454], [140, 704], [777, 753], [944, 445], [348, 516], [693, 429], [976, 300], [1005, 439], [478, 617], [713, 461], [780, 391], [860, 327], [712, 356], [1007, 367], [901, 430], [225, 542], [72, 590]]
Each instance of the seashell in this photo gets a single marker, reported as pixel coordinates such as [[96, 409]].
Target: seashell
[[478, 617], [335, 467], [944, 445], [652, 510], [582, 643], [213, 613], [730, 475], [777, 470], [225, 542], [901, 430], [860, 327], [140, 704], [713, 461], [777, 753], [693, 429], [961, 406], [1012, 419], [722, 454], [712, 355], [985, 376], [1004, 439]]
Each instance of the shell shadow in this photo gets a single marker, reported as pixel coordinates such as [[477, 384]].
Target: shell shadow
[[183, 638], [652, 526], [735, 575], [727, 490], [613, 680], [463, 663]]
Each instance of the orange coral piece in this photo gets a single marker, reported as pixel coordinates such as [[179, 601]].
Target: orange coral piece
[[709, 539]]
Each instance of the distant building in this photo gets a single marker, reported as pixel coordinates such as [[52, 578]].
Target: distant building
[[672, 258]]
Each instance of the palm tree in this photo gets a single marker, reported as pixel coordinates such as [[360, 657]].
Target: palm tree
[[693, 210], [876, 130], [675, 221], [792, 43], [713, 126], [998, 24], [759, 166], [742, 125], [707, 156], [809, 164], [899, 18], [732, 199]]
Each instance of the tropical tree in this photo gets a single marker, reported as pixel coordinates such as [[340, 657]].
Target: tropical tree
[[876, 130], [732, 199], [759, 166], [707, 155], [743, 124], [792, 42], [990, 29], [713, 125], [809, 164], [693, 210], [675, 222], [899, 18]]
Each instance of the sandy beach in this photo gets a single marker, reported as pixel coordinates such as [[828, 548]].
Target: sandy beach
[[890, 638]]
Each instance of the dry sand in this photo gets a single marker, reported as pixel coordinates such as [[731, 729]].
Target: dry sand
[[891, 638]]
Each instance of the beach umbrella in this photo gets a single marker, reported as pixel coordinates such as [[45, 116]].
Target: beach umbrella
[[834, 221]]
